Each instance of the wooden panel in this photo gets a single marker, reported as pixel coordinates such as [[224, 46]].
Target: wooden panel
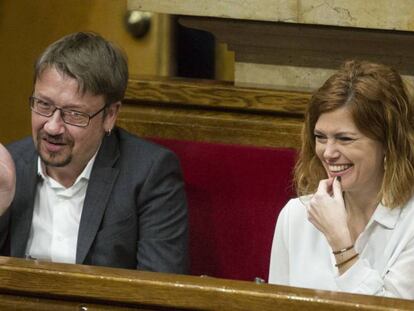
[[307, 45], [213, 111], [301, 57], [97, 288], [23, 303], [214, 94], [212, 126]]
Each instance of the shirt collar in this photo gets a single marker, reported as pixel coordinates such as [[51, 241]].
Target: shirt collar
[[386, 216], [86, 173]]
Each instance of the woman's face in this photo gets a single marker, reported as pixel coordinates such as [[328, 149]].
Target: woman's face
[[344, 151]]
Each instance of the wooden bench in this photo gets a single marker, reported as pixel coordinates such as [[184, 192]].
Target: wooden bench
[[237, 148]]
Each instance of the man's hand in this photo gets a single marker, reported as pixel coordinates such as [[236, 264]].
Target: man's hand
[[7, 179]]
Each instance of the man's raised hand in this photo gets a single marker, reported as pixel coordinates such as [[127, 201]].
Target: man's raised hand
[[7, 179]]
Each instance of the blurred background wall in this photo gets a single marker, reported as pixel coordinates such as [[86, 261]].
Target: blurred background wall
[[27, 27]]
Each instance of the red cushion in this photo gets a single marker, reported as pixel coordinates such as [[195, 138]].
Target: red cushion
[[235, 194]]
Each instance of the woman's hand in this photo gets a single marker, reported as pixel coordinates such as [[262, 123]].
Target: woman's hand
[[7, 179], [326, 211]]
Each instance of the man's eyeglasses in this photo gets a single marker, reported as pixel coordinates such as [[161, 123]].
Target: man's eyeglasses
[[71, 117]]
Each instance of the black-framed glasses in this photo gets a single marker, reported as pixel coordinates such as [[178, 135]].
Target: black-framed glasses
[[68, 116]]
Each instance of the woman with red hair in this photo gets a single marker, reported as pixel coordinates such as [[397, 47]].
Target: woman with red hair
[[352, 227]]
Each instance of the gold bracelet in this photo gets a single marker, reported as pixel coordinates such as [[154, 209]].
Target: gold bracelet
[[343, 250], [338, 265]]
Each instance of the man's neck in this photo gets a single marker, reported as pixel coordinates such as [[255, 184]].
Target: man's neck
[[63, 175]]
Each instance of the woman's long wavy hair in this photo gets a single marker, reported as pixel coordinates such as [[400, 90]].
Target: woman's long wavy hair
[[381, 109]]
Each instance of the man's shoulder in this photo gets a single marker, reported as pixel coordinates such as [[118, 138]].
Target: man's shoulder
[[22, 148], [132, 144], [136, 156]]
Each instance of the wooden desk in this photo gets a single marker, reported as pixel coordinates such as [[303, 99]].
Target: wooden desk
[[29, 285]]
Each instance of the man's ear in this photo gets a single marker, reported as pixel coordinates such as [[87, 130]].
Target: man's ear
[[111, 115]]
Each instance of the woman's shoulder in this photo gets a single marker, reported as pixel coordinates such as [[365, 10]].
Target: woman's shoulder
[[298, 202], [408, 208], [295, 209], [294, 218]]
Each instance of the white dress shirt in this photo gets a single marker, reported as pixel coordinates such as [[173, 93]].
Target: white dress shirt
[[56, 217], [302, 257]]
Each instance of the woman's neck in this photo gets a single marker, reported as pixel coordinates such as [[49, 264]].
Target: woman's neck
[[360, 209]]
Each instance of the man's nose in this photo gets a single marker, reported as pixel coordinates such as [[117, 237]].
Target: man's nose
[[54, 124]]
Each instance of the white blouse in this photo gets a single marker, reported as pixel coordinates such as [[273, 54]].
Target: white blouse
[[302, 257]]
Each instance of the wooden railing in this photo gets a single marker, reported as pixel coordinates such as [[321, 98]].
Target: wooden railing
[[213, 111], [35, 285]]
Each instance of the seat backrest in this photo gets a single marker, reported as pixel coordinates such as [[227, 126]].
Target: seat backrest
[[235, 194]]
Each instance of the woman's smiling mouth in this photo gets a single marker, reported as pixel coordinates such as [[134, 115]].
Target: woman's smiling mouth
[[337, 169]]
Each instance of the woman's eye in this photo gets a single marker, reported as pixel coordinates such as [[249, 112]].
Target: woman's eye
[[345, 139], [319, 137]]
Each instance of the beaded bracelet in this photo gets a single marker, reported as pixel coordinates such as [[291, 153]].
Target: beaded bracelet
[[343, 250], [338, 265]]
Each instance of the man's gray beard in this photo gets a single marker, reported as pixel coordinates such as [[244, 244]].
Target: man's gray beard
[[54, 164], [58, 164]]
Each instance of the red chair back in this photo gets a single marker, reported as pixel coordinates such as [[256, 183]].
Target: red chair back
[[235, 194]]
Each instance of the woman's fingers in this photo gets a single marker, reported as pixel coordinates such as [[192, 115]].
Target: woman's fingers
[[337, 189]]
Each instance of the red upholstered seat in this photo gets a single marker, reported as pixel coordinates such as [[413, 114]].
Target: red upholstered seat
[[235, 194]]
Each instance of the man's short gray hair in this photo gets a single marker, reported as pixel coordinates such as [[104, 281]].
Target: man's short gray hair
[[99, 67]]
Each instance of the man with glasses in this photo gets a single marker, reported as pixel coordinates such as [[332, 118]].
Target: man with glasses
[[87, 192]]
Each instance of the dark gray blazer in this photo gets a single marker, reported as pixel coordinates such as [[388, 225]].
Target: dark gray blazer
[[135, 210]]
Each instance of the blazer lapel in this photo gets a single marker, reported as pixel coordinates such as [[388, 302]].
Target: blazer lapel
[[100, 185], [23, 207]]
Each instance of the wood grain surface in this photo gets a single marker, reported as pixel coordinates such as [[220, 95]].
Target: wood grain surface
[[204, 110], [42, 285]]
